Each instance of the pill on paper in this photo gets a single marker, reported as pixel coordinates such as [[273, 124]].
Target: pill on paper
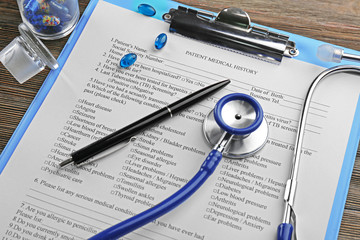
[[160, 41], [146, 9], [128, 60]]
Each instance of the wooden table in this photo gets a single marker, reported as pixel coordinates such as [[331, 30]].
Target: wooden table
[[332, 21]]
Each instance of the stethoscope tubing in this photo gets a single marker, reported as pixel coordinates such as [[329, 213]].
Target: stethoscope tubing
[[137, 221], [206, 169]]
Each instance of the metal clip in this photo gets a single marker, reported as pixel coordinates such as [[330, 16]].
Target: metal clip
[[232, 29]]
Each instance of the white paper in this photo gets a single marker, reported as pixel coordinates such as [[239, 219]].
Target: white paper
[[93, 97]]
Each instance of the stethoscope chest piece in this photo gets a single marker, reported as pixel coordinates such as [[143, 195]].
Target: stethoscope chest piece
[[242, 116]]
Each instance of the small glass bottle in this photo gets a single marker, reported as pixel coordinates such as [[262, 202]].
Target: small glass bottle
[[50, 19]]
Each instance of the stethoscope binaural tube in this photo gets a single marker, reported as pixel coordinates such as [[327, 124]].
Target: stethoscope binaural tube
[[285, 229], [247, 123]]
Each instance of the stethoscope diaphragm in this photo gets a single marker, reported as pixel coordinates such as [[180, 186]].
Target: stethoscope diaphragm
[[242, 116]]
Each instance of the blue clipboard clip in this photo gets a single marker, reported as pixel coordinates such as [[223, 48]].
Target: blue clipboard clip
[[231, 29]]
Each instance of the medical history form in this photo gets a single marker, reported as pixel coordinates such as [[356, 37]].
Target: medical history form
[[92, 97]]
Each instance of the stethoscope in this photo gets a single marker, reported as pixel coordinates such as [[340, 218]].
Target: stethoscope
[[236, 127]]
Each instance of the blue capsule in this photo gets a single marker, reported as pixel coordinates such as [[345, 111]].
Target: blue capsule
[[128, 60], [146, 9], [160, 41]]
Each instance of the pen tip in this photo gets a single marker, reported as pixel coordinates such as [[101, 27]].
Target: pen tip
[[66, 162], [226, 81]]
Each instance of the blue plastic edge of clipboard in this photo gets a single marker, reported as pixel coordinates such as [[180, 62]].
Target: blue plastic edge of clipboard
[[342, 189], [306, 54]]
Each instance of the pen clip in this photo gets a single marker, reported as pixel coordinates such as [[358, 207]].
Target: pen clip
[[231, 29]]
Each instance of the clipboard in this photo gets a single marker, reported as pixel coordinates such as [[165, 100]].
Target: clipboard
[[306, 54]]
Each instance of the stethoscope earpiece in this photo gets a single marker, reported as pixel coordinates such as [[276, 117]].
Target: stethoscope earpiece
[[241, 116], [330, 53]]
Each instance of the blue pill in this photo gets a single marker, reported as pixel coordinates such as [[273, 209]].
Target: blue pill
[[146, 9], [160, 41], [128, 60]]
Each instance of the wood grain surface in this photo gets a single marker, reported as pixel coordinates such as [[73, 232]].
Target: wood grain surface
[[333, 21]]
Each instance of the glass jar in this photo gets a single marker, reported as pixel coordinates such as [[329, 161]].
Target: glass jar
[[50, 19]]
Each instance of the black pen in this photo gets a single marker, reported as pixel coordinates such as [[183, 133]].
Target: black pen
[[126, 133]]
